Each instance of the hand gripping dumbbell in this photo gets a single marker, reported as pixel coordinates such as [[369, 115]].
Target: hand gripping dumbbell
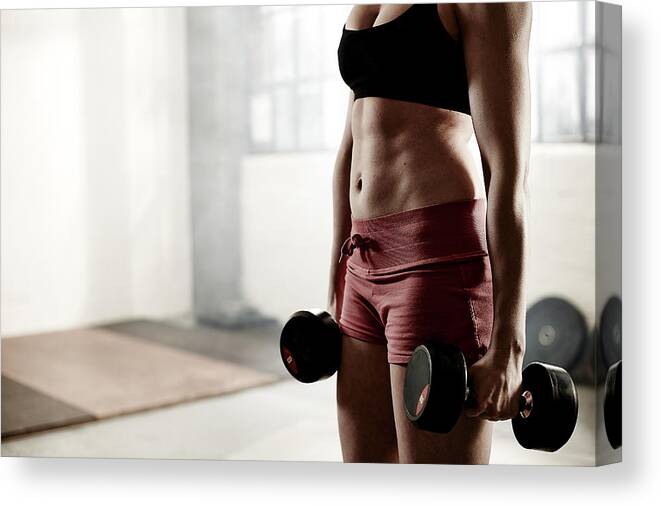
[[436, 388], [310, 345], [613, 405]]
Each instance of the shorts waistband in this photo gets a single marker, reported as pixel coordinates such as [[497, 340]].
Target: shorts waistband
[[436, 233]]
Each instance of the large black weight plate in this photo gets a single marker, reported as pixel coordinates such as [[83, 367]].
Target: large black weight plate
[[554, 412], [310, 345], [435, 387], [610, 331], [613, 405], [555, 333]]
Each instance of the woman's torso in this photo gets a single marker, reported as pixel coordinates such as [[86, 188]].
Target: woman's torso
[[406, 154]]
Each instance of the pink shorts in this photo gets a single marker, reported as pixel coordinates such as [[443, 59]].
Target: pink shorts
[[420, 276]]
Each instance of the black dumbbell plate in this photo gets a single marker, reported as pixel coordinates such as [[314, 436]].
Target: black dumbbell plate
[[310, 346], [555, 333], [610, 330], [435, 387], [554, 412], [613, 405]]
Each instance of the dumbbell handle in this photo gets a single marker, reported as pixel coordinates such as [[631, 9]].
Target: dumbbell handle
[[525, 402]]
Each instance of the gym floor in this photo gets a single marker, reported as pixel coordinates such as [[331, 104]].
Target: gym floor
[[270, 418], [283, 421]]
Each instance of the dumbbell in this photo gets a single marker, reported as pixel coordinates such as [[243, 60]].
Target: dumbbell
[[437, 387], [613, 405], [310, 345]]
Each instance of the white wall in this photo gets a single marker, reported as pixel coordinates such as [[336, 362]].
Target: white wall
[[286, 225], [95, 211], [562, 225]]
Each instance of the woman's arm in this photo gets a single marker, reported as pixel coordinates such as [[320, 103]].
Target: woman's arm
[[496, 39], [341, 215]]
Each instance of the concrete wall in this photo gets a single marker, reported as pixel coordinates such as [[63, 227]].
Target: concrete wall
[[286, 224], [95, 209]]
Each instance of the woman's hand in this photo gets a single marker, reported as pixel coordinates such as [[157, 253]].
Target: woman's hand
[[495, 383]]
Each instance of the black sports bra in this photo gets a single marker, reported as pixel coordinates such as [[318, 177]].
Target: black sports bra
[[411, 58]]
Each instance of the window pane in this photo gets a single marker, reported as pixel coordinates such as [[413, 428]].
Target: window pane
[[560, 118], [259, 55], [309, 41], [270, 9], [590, 13], [611, 100], [282, 44], [309, 125], [335, 97], [590, 92], [261, 117], [285, 131], [557, 24], [534, 99]]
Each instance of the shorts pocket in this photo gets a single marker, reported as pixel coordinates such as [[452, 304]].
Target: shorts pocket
[[477, 286]]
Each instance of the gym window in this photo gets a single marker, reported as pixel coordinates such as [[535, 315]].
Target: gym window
[[562, 68], [297, 99]]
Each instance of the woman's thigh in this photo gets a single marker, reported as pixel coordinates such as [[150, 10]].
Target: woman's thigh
[[364, 403], [468, 443]]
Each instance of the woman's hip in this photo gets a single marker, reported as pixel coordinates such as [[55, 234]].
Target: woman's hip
[[395, 242]]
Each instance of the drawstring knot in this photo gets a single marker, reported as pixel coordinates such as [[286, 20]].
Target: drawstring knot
[[353, 242]]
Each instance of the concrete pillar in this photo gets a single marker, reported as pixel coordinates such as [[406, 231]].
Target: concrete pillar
[[218, 39]]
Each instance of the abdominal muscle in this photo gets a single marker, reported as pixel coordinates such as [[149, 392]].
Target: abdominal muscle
[[407, 155]]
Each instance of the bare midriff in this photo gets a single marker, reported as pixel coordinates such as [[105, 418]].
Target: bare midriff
[[407, 155]]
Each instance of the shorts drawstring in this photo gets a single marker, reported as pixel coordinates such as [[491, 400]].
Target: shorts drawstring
[[353, 242]]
